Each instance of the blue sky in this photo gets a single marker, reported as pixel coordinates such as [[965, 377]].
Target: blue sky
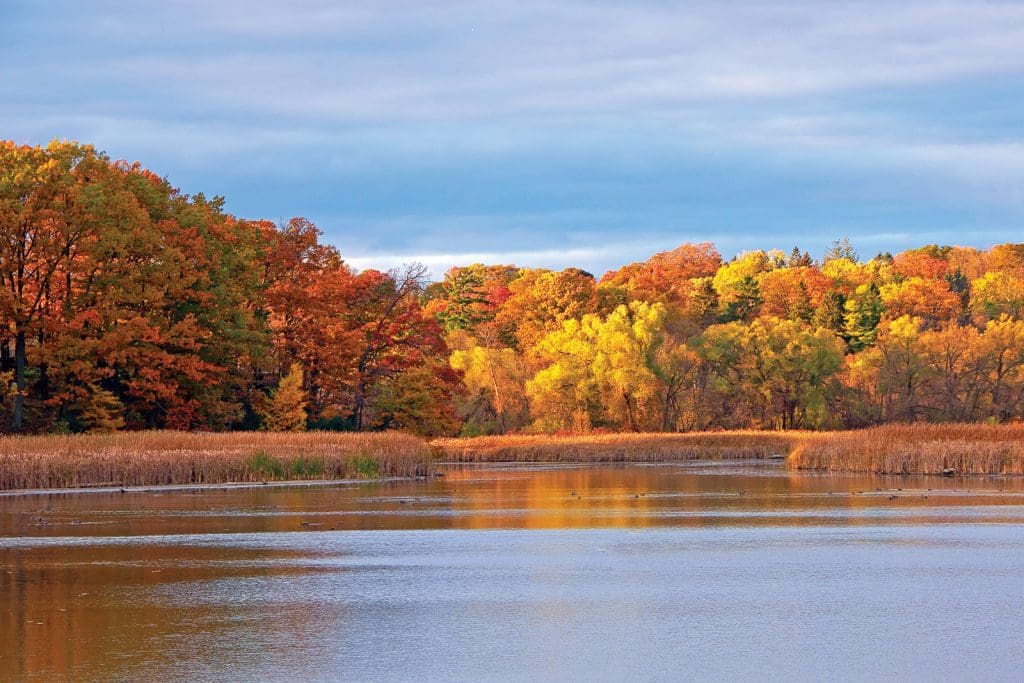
[[548, 133]]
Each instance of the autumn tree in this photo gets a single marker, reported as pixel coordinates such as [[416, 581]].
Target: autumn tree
[[1001, 346], [44, 216], [392, 333], [783, 370], [285, 410], [541, 300], [997, 293], [896, 371], [666, 277], [495, 379]]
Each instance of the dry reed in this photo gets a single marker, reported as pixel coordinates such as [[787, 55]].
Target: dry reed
[[172, 458], [915, 449], [176, 458], [890, 449], [628, 447]]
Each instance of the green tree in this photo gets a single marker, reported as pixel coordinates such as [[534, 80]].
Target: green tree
[[465, 299], [863, 313], [744, 302]]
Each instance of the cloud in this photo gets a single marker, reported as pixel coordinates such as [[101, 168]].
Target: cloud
[[405, 127]]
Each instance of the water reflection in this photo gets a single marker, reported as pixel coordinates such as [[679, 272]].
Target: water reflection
[[591, 572], [475, 497]]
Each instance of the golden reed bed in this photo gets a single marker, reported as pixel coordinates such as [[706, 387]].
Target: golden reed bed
[[915, 449], [890, 449], [627, 447], [177, 458], [164, 458]]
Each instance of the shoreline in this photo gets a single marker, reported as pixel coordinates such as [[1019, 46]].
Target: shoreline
[[137, 461], [895, 449], [775, 462], [226, 486]]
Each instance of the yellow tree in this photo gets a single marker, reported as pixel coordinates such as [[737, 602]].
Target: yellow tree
[[564, 394], [960, 370], [737, 283], [925, 298], [997, 293], [541, 300], [897, 370], [285, 411], [1002, 348], [783, 370], [624, 361], [495, 378]]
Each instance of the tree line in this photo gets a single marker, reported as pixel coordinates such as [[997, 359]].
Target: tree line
[[125, 304], [768, 340]]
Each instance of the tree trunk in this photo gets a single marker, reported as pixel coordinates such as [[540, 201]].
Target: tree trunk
[[357, 412], [629, 411], [44, 373], [19, 379]]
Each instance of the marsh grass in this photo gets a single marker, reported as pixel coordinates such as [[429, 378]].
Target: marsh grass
[[915, 449], [890, 449], [173, 458], [176, 458], [653, 447]]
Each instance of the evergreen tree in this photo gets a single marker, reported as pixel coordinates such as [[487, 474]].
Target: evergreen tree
[[285, 411], [863, 313], [705, 300], [463, 290], [841, 249], [746, 301], [798, 259], [101, 411], [830, 314], [801, 308], [961, 286]]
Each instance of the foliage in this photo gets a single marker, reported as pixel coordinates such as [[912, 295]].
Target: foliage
[[285, 411], [127, 305]]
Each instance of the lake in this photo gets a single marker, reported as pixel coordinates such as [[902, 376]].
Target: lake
[[651, 572]]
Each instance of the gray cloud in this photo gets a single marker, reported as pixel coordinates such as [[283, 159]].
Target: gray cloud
[[485, 105]]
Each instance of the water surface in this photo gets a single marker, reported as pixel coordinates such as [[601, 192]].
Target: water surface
[[656, 572]]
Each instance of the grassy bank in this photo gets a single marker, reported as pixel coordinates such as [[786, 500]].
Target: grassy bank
[[890, 449], [177, 458], [616, 447], [159, 458], [915, 449]]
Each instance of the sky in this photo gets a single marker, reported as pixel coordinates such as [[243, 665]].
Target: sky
[[547, 133]]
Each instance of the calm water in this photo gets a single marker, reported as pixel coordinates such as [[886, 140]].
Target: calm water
[[491, 573]]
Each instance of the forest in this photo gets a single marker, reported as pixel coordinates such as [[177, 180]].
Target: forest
[[126, 304]]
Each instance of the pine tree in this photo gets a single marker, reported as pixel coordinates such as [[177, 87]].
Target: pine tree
[[799, 259], [705, 300], [746, 302], [102, 411], [285, 411], [831, 313], [841, 249], [863, 313], [961, 286], [801, 308]]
